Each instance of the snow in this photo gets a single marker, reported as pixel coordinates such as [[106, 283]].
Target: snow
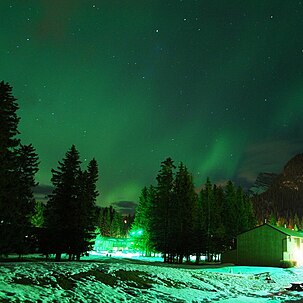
[[116, 279]]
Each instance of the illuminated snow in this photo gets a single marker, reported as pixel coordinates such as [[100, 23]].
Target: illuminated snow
[[47, 282]]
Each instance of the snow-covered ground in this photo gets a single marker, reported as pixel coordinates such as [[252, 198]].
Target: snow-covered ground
[[104, 279]]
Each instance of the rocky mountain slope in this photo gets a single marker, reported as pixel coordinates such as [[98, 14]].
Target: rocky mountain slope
[[284, 197], [262, 183]]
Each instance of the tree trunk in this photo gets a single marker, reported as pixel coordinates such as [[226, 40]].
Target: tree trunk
[[58, 257], [198, 258]]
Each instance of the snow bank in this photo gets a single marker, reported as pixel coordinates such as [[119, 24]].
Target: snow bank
[[122, 280]]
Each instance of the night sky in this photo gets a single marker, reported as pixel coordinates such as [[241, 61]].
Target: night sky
[[215, 84]]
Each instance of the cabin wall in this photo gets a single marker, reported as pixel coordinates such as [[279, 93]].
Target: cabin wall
[[263, 246]]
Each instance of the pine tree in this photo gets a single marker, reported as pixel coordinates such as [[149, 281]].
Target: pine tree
[[272, 219], [8, 143], [141, 228], [297, 223], [162, 210], [87, 210], [230, 214], [207, 202], [61, 208], [110, 223], [37, 219], [218, 228], [70, 211], [18, 166], [245, 218], [116, 225], [105, 222], [27, 166], [185, 207]]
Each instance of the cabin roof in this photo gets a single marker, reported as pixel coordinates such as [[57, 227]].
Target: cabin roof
[[285, 231]]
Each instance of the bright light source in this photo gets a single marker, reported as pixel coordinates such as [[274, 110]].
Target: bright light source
[[298, 255]]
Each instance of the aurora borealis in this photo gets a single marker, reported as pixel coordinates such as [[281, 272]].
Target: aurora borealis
[[215, 84]]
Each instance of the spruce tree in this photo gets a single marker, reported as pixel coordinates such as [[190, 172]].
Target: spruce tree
[[141, 227], [218, 228], [37, 219], [27, 167], [18, 166], [185, 204], [61, 209], [105, 222], [207, 202], [116, 225], [87, 210], [162, 213], [8, 143], [230, 214], [70, 211]]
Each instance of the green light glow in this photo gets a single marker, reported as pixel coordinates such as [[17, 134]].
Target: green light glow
[[136, 85]]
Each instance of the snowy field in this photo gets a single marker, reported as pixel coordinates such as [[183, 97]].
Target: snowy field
[[106, 279]]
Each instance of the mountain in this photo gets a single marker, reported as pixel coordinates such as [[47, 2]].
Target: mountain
[[284, 197], [262, 183]]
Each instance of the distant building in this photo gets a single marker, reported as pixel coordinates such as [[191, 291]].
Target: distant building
[[112, 244], [266, 245]]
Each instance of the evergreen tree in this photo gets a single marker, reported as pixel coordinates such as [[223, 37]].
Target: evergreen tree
[[116, 225], [61, 209], [244, 209], [27, 166], [183, 222], [141, 228], [8, 143], [230, 214], [272, 219], [18, 166], [250, 214], [162, 210], [297, 223], [86, 221], [70, 211], [238, 213], [37, 219], [208, 209], [218, 228], [110, 223], [105, 222]]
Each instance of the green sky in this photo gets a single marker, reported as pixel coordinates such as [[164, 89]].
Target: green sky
[[215, 84]]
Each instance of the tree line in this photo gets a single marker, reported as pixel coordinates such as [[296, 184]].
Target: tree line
[[171, 218], [178, 222], [66, 224], [112, 224]]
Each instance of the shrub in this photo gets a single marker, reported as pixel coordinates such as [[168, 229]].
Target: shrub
[[288, 263]]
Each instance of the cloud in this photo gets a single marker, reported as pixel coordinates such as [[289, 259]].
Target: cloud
[[126, 207], [42, 191], [268, 156]]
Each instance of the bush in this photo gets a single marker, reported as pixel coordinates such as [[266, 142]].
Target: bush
[[287, 263]]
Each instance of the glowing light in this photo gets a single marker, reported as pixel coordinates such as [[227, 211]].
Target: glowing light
[[298, 255]]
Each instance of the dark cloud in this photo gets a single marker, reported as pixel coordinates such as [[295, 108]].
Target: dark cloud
[[270, 156], [125, 207], [42, 191]]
